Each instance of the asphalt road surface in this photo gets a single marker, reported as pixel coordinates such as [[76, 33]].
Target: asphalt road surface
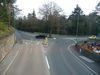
[[29, 61], [56, 58], [62, 61]]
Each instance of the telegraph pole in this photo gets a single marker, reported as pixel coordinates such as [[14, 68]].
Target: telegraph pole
[[77, 24]]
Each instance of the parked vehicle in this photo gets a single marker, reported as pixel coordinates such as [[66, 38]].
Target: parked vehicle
[[41, 36], [92, 37]]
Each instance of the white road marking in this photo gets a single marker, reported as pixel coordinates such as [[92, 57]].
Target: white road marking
[[86, 59], [26, 42], [38, 43], [74, 40], [45, 57], [54, 38], [10, 64], [47, 62], [82, 63]]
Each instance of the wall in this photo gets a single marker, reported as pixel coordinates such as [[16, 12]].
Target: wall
[[5, 45]]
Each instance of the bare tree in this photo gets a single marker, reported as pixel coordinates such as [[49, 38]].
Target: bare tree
[[50, 12], [49, 9]]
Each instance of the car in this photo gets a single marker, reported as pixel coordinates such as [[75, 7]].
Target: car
[[92, 37], [41, 36]]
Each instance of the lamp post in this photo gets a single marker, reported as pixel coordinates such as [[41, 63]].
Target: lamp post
[[77, 24]]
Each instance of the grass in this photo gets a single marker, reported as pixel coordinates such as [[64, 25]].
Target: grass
[[5, 30]]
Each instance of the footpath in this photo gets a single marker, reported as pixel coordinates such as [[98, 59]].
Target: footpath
[[7, 60]]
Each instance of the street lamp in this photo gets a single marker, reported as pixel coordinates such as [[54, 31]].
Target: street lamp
[[77, 24]]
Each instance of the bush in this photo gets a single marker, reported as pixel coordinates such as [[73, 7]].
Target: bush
[[4, 29]]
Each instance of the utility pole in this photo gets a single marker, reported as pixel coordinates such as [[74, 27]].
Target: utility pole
[[77, 26], [13, 16]]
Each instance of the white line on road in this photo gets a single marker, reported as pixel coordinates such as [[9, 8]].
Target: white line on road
[[38, 43], [10, 64], [86, 59], [45, 57], [74, 40], [82, 63], [47, 62], [54, 38]]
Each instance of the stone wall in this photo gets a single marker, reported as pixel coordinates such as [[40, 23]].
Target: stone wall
[[5, 45]]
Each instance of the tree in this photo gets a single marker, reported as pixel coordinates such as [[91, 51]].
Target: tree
[[29, 23], [34, 14], [92, 19], [50, 12], [98, 13], [63, 24], [77, 22], [98, 7], [49, 9], [6, 9]]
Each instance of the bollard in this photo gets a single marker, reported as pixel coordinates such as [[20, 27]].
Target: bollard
[[45, 42]]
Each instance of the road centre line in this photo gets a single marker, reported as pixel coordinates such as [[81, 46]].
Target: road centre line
[[82, 63], [11, 63]]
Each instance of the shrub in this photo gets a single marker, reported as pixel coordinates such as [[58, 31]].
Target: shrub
[[4, 29]]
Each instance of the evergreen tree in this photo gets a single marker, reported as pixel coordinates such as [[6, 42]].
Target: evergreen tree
[[77, 22]]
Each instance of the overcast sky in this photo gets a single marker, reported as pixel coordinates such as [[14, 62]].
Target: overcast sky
[[68, 6]]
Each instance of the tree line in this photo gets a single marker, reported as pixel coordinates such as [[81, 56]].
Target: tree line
[[7, 11], [54, 21]]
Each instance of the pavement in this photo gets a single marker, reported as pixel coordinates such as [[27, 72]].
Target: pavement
[[30, 57], [29, 61]]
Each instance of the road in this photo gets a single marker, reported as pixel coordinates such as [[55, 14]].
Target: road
[[29, 58], [29, 61], [56, 58], [63, 62]]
